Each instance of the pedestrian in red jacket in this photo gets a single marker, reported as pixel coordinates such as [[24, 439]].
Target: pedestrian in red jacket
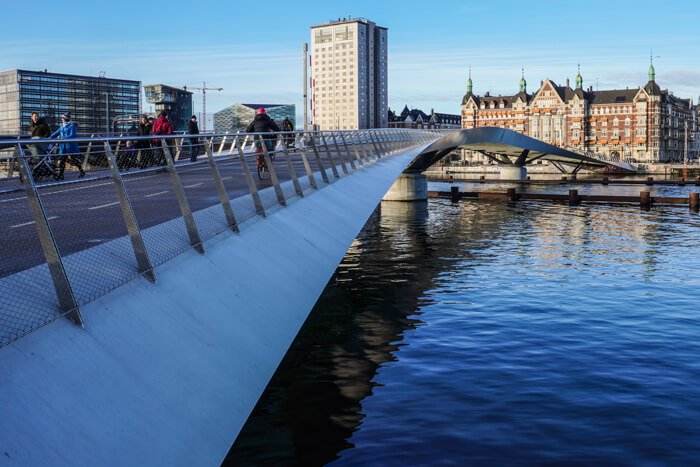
[[162, 126]]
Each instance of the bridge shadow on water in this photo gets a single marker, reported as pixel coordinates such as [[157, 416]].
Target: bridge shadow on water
[[313, 403]]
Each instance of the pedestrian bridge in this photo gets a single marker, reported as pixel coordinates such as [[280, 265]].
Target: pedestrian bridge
[[144, 307], [513, 151]]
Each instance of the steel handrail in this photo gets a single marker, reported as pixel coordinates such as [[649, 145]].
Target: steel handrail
[[335, 146]]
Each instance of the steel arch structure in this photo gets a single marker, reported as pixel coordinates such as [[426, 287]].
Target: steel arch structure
[[509, 148]]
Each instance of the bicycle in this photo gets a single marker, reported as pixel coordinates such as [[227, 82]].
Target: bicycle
[[260, 157], [262, 165]]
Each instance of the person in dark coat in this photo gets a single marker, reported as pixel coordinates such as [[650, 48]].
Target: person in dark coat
[[262, 123], [144, 145], [193, 129], [39, 130], [287, 125]]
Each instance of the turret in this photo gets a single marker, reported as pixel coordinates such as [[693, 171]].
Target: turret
[[523, 83], [579, 79], [469, 82]]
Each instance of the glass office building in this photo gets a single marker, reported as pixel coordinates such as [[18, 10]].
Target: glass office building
[[175, 101], [96, 104], [238, 116]]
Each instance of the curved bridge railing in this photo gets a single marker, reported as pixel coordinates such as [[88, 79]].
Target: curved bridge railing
[[78, 225]]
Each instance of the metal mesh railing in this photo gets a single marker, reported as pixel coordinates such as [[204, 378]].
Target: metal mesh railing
[[76, 225]]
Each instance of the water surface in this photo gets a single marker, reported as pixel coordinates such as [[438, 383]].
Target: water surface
[[495, 333]]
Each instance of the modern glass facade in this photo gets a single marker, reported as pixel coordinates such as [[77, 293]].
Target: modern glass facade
[[175, 101], [96, 104], [238, 116]]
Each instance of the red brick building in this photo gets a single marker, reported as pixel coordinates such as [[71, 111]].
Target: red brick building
[[644, 124]]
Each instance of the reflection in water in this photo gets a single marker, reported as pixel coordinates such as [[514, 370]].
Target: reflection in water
[[355, 327], [464, 330]]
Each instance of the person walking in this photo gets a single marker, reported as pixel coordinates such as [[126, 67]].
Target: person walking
[[39, 130], [287, 125], [144, 145], [193, 129], [262, 123], [162, 126], [69, 152]]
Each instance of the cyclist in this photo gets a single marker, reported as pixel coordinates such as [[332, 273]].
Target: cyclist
[[262, 123], [287, 125]]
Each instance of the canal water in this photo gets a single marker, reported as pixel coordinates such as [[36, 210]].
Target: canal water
[[495, 333]]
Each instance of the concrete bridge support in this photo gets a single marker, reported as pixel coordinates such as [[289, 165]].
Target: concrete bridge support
[[512, 172], [408, 187]]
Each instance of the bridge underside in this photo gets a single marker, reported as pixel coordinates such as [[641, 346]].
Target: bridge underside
[[508, 148]]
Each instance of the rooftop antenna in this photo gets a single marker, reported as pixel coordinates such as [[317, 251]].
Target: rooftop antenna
[[102, 74]]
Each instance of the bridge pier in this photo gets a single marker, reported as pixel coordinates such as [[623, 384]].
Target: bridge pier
[[512, 172], [408, 187]]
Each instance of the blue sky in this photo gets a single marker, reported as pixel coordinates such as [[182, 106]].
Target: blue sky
[[253, 49]]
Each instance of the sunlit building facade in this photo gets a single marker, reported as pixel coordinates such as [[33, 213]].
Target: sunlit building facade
[[349, 75], [644, 124], [97, 104]]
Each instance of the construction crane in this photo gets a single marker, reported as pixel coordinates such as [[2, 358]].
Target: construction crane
[[204, 90]]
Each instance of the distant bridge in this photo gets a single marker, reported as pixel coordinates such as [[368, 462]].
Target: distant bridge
[[512, 150]]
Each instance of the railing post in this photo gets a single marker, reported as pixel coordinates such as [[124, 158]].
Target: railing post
[[192, 230], [354, 148], [364, 136], [340, 156], [87, 154], [382, 143], [221, 146], [273, 174], [307, 167], [178, 147], [245, 142], [318, 160], [66, 298], [330, 158], [259, 208], [347, 150], [143, 261], [387, 140], [378, 152], [223, 196], [292, 172]]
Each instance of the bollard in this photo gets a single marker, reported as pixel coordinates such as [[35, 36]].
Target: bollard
[[694, 201], [574, 199], [644, 199], [650, 180], [605, 180], [454, 194], [512, 195]]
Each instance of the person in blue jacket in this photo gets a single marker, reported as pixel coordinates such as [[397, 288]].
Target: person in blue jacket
[[70, 152]]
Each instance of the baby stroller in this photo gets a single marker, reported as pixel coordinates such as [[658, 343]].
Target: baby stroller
[[46, 167]]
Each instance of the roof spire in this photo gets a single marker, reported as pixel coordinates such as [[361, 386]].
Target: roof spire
[[469, 82], [579, 79], [523, 83], [652, 72]]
